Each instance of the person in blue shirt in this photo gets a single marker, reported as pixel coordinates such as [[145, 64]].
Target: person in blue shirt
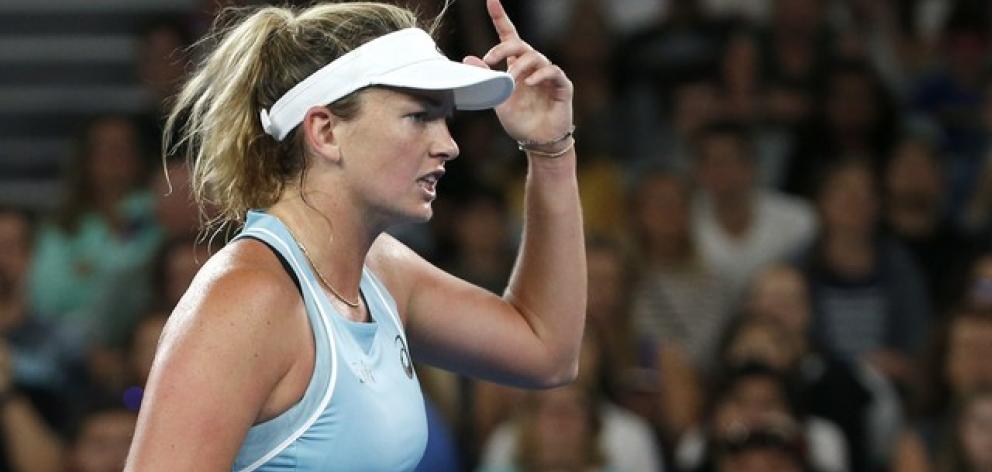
[[314, 131]]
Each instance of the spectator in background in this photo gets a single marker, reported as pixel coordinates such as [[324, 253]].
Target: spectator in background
[[35, 371], [745, 99], [976, 216], [952, 91], [608, 306], [174, 209], [102, 440], [959, 369], [174, 267], [679, 302], [795, 49], [870, 301], [751, 399], [161, 61], [664, 72], [855, 117], [626, 441], [738, 226], [776, 331], [760, 450], [967, 445], [43, 358], [692, 106], [915, 200], [560, 430], [483, 248], [91, 258]]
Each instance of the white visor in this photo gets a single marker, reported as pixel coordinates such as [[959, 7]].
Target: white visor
[[406, 58]]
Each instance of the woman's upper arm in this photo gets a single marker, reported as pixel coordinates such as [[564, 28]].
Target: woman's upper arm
[[458, 326], [219, 358]]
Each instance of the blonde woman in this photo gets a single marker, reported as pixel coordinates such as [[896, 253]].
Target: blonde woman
[[316, 130]]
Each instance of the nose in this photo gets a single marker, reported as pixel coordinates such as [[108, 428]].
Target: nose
[[443, 146]]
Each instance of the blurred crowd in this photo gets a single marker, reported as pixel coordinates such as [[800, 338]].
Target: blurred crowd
[[788, 207]]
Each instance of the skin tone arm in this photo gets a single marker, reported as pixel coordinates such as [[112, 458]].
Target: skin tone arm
[[531, 336], [228, 350]]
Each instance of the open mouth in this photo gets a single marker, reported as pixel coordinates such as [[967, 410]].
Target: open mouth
[[429, 181]]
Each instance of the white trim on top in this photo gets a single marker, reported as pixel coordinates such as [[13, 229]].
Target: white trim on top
[[334, 358], [395, 316]]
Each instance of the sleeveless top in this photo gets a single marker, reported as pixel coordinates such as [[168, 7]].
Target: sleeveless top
[[363, 409]]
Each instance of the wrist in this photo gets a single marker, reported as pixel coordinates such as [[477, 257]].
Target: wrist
[[550, 149], [554, 151]]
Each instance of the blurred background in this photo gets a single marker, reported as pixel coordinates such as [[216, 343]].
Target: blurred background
[[788, 206]]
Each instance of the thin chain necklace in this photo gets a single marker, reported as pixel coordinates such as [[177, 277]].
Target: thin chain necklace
[[323, 280]]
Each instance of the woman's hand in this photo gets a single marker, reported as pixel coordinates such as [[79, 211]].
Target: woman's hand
[[540, 109]]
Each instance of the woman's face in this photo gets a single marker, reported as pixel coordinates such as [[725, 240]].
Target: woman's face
[[394, 151], [968, 366], [663, 209], [976, 433], [114, 156], [848, 202], [781, 294], [563, 427]]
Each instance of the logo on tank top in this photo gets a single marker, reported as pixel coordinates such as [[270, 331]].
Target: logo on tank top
[[404, 357], [364, 373]]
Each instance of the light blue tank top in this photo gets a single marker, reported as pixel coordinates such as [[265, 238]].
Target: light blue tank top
[[363, 409]]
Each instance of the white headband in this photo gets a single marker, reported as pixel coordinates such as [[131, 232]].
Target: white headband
[[406, 58]]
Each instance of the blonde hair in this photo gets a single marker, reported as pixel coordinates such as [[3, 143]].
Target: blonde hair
[[255, 56]]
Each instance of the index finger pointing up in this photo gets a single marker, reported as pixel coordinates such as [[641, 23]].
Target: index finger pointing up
[[504, 27]]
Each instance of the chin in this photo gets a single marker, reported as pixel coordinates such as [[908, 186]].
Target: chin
[[420, 214]]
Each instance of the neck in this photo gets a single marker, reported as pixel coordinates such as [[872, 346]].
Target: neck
[[849, 254], [733, 214], [336, 237]]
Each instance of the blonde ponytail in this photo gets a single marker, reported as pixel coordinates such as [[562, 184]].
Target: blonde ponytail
[[256, 56]]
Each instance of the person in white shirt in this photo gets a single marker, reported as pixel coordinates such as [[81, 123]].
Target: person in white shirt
[[740, 227]]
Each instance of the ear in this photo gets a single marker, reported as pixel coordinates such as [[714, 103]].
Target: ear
[[319, 126]]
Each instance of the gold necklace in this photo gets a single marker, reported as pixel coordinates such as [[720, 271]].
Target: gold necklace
[[323, 280]]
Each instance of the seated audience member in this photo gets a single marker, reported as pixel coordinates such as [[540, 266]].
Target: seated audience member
[[915, 204], [44, 358], [91, 260], [626, 440], [680, 299], [739, 227], [761, 449], [776, 331], [559, 430], [960, 369], [752, 397], [870, 301]]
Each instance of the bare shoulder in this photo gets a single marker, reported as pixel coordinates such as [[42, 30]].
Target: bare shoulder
[[242, 294], [235, 334]]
